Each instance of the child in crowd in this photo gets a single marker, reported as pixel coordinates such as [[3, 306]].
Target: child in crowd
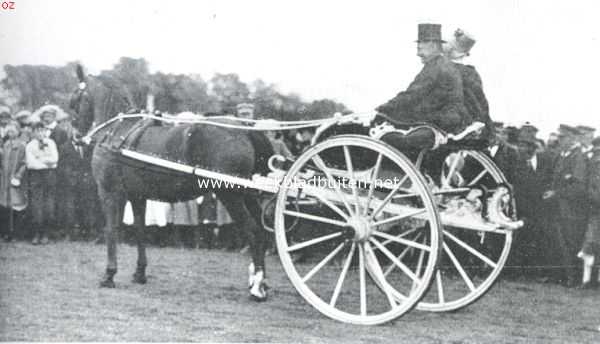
[[42, 158], [13, 193]]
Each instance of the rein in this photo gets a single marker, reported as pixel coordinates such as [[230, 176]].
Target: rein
[[264, 125]]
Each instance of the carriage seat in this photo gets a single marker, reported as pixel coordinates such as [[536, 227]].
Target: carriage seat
[[418, 136]]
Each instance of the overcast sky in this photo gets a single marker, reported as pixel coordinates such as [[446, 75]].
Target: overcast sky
[[539, 61]]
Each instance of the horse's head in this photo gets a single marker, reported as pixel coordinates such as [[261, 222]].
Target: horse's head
[[82, 104]]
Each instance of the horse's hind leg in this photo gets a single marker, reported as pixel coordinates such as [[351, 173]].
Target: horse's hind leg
[[139, 212], [237, 206], [113, 204]]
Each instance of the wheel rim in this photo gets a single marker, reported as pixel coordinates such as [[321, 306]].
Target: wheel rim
[[344, 277], [471, 261]]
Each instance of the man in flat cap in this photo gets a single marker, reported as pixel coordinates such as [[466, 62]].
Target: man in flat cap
[[530, 181], [504, 154], [435, 96], [568, 200], [457, 49]]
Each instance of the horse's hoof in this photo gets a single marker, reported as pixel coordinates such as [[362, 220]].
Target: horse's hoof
[[256, 298], [139, 278], [107, 283]]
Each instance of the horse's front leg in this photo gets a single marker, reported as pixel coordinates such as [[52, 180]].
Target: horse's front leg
[[242, 210], [139, 212], [112, 205]]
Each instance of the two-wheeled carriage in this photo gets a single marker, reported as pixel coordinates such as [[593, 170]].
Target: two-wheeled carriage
[[385, 235]]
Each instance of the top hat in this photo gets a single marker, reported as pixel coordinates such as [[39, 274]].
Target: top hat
[[430, 33]]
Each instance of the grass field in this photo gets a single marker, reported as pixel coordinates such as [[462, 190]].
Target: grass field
[[50, 293]]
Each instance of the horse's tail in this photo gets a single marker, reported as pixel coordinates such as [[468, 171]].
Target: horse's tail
[[263, 150]]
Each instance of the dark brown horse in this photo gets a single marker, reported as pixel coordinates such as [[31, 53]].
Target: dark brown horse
[[229, 151]]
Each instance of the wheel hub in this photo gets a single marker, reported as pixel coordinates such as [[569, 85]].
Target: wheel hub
[[361, 227]]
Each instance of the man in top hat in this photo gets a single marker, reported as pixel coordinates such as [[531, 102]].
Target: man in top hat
[[568, 197], [435, 96], [245, 110], [457, 49], [590, 250]]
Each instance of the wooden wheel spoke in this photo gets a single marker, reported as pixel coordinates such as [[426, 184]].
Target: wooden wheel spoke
[[377, 274], [340, 281], [407, 195], [440, 287], [363, 285], [471, 249], [401, 235], [395, 260], [353, 185], [402, 241], [388, 198], [399, 217], [315, 218], [400, 256], [478, 177], [452, 169], [321, 164], [314, 241], [322, 263], [459, 267], [373, 182], [331, 205], [419, 266]]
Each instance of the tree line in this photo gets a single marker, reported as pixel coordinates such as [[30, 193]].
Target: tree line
[[127, 85]]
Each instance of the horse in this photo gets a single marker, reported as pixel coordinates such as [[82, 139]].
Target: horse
[[230, 151]]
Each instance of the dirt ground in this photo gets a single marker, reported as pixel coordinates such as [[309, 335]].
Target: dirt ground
[[50, 293]]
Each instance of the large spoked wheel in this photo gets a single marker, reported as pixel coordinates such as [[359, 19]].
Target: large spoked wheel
[[472, 259], [348, 255]]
